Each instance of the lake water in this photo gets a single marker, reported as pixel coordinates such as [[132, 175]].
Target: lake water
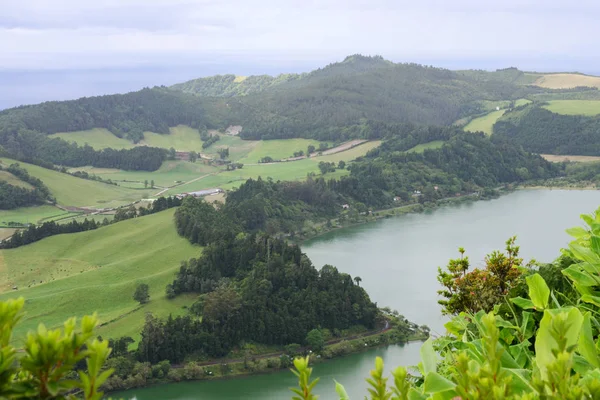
[[397, 260]]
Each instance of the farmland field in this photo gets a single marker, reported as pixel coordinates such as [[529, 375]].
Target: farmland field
[[436, 144], [574, 107], [72, 191], [566, 81], [76, 274], [165, 176], [284, 171], [278, 149], [484, 124], [29, 215], [181, 138], [98, 138], [563, 158]]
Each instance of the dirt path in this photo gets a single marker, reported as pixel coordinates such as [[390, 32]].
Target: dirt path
[[340, 148]]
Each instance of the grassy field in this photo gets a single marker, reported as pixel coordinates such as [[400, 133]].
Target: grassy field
[[277, 149], [72, 191], [238, 148], [13, 180], [181, 138], [166, 175], [566, 81], [6, 233], [484, 124], [436, 144], [77, 274], [29, 215], [563, 158], [521, 102], [284, 171], [98, 138], [574, 107]]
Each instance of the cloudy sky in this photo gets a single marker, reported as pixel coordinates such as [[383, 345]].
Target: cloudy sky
[[66, 48]]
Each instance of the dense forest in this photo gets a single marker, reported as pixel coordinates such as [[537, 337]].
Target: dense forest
[[229, 85], [542, 131], [257, 288], [12, 196]]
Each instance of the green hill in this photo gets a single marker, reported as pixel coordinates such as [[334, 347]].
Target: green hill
[[76, 274], [71, 191]]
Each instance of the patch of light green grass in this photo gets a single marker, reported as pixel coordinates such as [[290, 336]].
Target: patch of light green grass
[[278, 149], [167, 175], [9, 178], [574, 107], [436, 144], [181, 138], [98, 138], [71, 191], [484, 124], [521, 102], [29, 215], [351, 154], [79, 273]]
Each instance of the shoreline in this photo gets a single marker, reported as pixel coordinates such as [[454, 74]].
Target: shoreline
[[261, 366]]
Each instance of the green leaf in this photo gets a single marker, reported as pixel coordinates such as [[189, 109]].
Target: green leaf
[[414, 394], [546, 344], [339, 389], [587, 347], [525, 304], [580, 278], [577, 232], [435, 383], [428, 357], [595, 244], [521, 381], [588, 298], [539, 293], [584, 254]]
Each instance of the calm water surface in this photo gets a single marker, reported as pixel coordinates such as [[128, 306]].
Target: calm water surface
[[397, 260]]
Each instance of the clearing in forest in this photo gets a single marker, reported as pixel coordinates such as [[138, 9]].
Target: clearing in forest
[[484, 124], [566, 81]]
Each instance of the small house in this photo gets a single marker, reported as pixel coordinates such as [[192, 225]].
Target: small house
[[345, 206]]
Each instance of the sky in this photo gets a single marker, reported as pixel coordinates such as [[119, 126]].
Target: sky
[[63, 49]]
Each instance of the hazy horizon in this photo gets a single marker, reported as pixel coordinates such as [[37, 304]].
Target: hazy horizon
[[66, 49], [23, 87]]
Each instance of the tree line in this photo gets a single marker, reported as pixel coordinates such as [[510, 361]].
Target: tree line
[[542, 131]]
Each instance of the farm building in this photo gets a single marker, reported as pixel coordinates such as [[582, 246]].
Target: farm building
[[201, 193]]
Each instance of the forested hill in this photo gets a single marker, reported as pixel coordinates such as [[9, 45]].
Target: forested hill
[[542, 131], [339, 101]]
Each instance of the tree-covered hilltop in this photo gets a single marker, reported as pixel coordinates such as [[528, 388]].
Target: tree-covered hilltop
[[339, 101], [542, 131], [230, 85]]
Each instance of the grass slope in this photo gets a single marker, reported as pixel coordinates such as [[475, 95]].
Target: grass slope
[[278, 149], [97, 271], [71, 191], [9, 178], [98, 138], [574, 107], [166, 175], [566, 81], [436, 144], [484, 124], [30, 215], [181, 138]]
